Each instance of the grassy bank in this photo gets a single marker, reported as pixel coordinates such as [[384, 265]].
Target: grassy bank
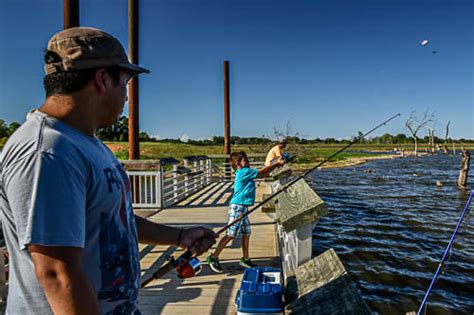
[[305, 154]]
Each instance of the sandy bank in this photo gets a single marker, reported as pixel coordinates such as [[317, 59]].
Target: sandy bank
[[299, 168]]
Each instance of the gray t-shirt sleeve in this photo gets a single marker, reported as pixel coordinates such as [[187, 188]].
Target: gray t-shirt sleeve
[[48, 199]]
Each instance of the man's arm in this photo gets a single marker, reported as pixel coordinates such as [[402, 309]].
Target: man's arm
[[59, 272], [265, 171], [199, 239]]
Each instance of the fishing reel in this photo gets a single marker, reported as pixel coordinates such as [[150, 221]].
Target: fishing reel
[[186, 267]]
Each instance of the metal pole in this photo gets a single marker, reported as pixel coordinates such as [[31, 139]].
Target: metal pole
[[71, 13], [133, 112], [226, 109]]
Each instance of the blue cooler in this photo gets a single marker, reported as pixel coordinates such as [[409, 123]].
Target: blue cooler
[[261, 292]]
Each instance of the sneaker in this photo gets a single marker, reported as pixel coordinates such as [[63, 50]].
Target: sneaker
[[214, 264], [247, 263]]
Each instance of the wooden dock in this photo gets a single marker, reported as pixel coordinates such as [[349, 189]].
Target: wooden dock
[[313, 284], [208, 293]]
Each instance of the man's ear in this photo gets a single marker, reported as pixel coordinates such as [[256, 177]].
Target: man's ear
[[100, 80]]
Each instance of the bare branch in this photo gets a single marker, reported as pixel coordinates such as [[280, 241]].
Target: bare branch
[[414, 125]]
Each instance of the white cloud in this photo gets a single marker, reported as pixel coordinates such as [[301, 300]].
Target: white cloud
[[184, 137], [157, 137]]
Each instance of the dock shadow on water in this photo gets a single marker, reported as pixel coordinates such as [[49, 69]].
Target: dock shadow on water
[[390, 223]]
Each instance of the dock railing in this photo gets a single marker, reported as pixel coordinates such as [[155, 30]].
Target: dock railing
[[222, 170], [157, 184]]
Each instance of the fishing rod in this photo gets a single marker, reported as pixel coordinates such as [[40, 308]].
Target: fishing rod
[[446, 252], [188, 254], [288, 185]]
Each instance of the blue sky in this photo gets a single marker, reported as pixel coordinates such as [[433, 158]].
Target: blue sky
[[329, 68]]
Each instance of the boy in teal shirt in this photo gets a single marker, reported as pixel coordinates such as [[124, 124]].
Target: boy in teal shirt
[[244, 196]]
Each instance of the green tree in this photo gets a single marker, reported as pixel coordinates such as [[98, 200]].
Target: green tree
[[13, 127], [3, 129], [116, 132], [386, 138]]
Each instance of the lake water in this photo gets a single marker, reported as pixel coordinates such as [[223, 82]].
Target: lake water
[[390, 229]]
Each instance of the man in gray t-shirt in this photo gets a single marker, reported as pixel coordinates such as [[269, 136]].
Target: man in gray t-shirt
[[65, 200]]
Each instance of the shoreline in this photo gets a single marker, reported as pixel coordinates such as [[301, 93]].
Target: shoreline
[[301, 168]]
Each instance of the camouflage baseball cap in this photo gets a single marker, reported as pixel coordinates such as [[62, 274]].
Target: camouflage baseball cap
[[80, 48]]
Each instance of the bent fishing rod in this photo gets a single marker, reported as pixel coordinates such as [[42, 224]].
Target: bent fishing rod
[[189, 253], [446, 252]]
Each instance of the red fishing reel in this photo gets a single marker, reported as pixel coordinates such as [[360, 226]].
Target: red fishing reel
[[186, 267]]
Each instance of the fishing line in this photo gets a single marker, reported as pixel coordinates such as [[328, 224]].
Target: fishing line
[[445, 255]]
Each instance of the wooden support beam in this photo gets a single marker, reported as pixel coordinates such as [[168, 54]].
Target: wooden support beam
[[226, 108], [71, 13], [298, 206], [133, 87], [322, 286]]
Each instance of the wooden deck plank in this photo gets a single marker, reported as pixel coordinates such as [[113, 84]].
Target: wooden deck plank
[[208, 293]]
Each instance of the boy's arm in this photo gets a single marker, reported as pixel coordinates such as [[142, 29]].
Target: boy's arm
[[265, 171]]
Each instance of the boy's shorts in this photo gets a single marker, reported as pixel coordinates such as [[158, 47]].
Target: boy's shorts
[[241, 227]]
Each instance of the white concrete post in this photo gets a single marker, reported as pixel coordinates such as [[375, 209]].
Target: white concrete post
[[186, 179], [202, 175], [175, 183], [194, 177]]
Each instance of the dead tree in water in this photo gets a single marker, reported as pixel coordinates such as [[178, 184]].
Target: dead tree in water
[[465, 159], [446, 150], [431, 140], [414, 125]]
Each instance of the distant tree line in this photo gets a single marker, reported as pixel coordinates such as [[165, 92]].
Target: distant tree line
[[235, 140], [7, 129], [119, 132]]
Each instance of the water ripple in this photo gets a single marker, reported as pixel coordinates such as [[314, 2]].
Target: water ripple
[[390, 228]]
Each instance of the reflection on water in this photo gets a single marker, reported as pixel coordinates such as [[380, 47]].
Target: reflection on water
[[390, 228]]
